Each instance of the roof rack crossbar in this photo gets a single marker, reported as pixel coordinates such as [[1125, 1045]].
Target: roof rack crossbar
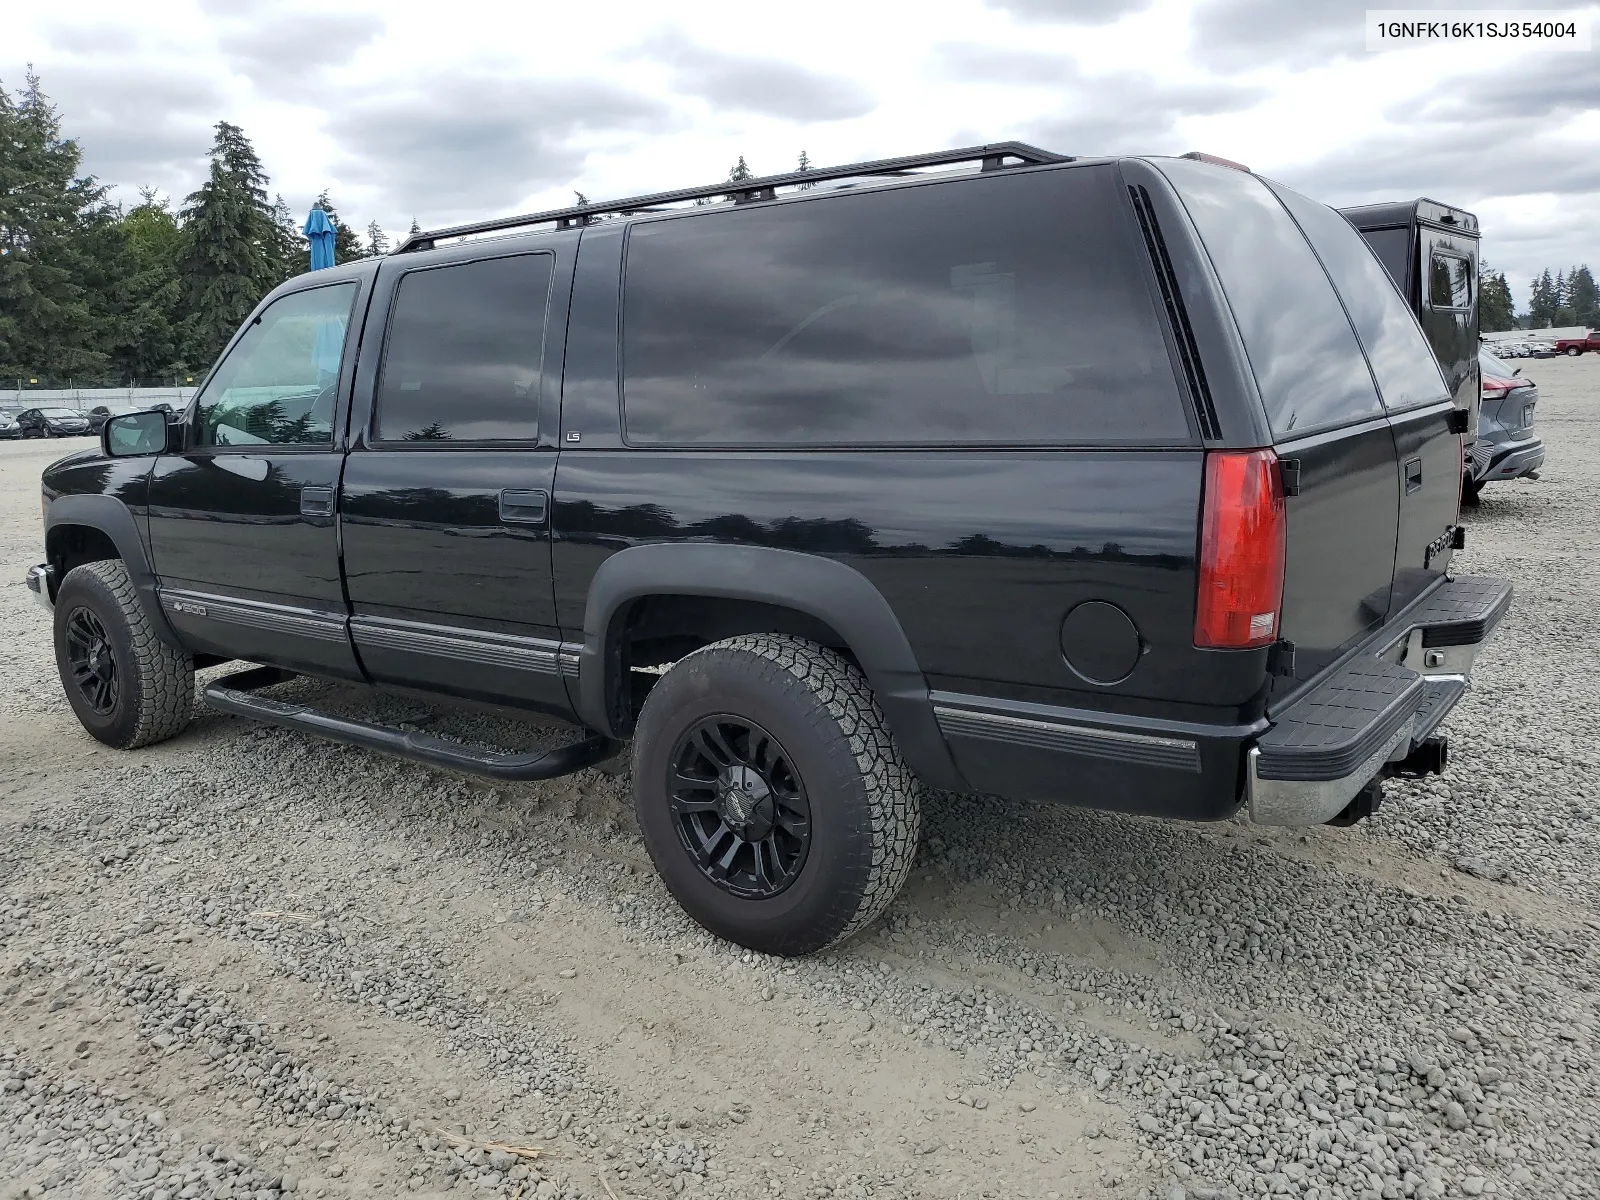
[[745, 190]]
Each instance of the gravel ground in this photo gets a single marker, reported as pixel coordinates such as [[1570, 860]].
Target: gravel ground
[[249, 964]]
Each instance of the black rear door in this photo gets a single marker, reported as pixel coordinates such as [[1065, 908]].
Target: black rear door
[[445, 509], [1321, 405], [1415, 395]]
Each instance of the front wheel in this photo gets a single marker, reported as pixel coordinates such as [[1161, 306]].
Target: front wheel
[[771, 796], [127, 687], [1573, 352]]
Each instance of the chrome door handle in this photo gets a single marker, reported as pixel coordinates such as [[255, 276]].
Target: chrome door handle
[[524, 507], [316, 502]]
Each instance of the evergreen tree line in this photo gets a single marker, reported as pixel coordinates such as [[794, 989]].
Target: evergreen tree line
[[94, 294], [1571, 298]]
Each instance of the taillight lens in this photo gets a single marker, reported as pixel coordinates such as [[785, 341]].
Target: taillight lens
[[1495, 389], [1241, 551]]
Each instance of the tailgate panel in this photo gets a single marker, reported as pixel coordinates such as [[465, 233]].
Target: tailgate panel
[[1341, 538], [1430, 499]]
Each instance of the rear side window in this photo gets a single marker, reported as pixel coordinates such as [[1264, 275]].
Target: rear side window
[[1407, 372], [1302, 350], [464, 352], [987, 310], [1449, 281]]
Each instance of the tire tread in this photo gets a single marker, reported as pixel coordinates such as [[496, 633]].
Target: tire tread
[[893, 791], [164, 704]]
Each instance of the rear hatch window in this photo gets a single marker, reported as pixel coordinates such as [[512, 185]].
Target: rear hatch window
[[1304, 356], [1402, 361]]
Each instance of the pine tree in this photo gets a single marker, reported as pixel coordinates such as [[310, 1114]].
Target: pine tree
[[142, 336], [1543, 303], [377, 241], [290, 250], [738, 173], [47, 215], [579, 199], [415, 228], [1583, 297], [1564, 314], [803, 166], [346, 245], [1496, 309], [230, 246]]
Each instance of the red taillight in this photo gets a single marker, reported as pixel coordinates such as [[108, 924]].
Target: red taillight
[[1241, 551], [1495, 389]]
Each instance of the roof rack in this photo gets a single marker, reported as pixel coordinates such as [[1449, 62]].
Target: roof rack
[[993, 157]]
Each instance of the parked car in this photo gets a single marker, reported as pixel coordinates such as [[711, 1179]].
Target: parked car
[[8, 426], [98, 414], [1507, 447], [1577, 346], [52, 422], [1005, 481]]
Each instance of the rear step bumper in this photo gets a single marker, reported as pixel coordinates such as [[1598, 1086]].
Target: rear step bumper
[[1375, 709], [235, 694]]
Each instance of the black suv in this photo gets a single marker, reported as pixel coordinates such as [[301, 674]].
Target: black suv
[[1126, 483]]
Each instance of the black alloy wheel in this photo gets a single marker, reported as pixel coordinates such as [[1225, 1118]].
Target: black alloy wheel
[[93, 661], [739, 806]]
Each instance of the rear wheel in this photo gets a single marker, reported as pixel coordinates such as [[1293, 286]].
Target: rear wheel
[[770, 793], [1471, 492], [1573, 352], [127, 687]]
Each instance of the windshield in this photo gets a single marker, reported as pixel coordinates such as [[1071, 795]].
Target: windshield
[[60, 412]]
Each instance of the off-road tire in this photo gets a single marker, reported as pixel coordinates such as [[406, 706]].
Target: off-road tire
[[154, 695], [864, 799]]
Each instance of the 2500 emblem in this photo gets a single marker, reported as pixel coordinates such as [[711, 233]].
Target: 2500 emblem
[[1450, 538], [187, 606]]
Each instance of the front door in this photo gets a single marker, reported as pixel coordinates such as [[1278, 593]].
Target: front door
[[445, 512], [242, 522]]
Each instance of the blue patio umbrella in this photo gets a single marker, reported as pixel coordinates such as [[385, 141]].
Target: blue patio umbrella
[[319, 232], [330, 332]]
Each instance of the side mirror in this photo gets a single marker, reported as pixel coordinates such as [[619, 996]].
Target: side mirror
[[133, 434]]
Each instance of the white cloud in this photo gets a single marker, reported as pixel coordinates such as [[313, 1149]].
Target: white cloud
[[497, 108]]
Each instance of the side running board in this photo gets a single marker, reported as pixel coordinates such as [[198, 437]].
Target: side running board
[[234, 694]]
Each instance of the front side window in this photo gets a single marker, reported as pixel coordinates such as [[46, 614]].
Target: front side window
[[1449, 281], [988, 310], [465, 351], [279, 382]]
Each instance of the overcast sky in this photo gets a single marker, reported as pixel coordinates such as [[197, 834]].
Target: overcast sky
[[448, 111]]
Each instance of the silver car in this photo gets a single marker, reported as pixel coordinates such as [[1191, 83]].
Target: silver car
[[1507, 447]]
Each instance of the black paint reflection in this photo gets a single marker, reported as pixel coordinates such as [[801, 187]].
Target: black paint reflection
[[980, 556]]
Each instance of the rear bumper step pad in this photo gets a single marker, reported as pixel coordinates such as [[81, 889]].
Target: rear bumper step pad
[[1462, 612], [1333, 740], [235, 694], [1334, 729]]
